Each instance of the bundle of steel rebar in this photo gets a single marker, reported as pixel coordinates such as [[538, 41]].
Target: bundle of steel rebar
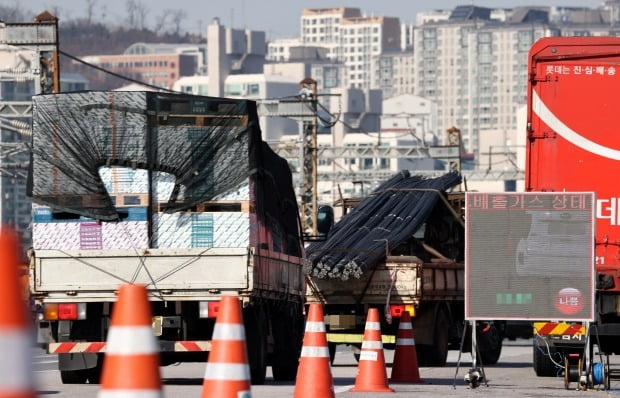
[[390, 215]]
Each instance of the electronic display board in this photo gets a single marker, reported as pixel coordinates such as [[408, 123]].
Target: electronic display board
[[529, 256]]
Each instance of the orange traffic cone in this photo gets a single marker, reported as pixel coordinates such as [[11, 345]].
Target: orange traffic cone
[[405, 365], [371, 372], [314, 376], [228, 372], [16, 375], [131, 363]]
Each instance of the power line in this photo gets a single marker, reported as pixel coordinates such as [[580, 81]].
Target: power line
[[129, 79]]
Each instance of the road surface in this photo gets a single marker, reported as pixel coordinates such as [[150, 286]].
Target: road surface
[[511, 377]]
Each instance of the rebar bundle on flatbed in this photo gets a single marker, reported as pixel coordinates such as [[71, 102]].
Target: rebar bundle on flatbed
[[381, 222]]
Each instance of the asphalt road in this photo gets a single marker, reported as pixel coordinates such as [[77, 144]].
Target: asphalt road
[[511, 377]]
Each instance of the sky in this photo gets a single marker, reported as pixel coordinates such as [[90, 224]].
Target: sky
[[278, 18]]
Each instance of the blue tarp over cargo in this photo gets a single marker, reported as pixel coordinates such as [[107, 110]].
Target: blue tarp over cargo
[[389, 216]]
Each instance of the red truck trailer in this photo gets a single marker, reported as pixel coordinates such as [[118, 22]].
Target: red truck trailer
[[572, 145]]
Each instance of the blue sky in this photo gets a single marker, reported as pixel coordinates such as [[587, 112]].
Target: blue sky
[[279, 18]]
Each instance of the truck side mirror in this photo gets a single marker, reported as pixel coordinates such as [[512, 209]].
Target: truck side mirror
[[325, 219]]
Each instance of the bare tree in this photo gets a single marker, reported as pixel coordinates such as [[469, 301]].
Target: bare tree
[[177, 19], [141, 13], [90, 8], [136, 14], [104, 13], [12, 13], [160, 22], [130, 6], [56, 11]]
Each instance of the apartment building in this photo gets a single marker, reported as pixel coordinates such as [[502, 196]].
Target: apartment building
[[280, 50], [353, 39], [470, 61], [474, 68], [393, 73], [363, 39], [321, 26], [473, 64]]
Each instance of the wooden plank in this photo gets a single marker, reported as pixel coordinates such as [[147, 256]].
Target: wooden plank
[[231, 206], [130, 199]]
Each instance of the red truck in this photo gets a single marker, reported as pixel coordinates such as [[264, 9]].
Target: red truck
[[572, 145]]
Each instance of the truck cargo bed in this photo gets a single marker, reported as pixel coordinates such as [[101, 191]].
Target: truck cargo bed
[[178, 274], [405, 279]]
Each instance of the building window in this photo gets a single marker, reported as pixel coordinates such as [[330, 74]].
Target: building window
[[233, 89], [253, 89]]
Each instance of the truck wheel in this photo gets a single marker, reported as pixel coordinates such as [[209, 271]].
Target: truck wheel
[[256, 339], [332, 352], [356, 349], [437, 353], [94, 374], [74, 368], [74, 376], [543, 365], [490, 345], [288, 337]]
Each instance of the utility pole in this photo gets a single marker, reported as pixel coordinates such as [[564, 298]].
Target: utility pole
[[454, 140], [309, 195], [50, 60], [42, 37]]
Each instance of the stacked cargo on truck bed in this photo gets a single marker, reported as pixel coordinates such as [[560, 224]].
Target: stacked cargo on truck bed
[[381, 222], [95, 152]]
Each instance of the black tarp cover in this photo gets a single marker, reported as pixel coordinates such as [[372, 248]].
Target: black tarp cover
[[211, 145], [389, 216]]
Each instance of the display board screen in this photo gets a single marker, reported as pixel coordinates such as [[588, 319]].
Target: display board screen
[[529, 256]]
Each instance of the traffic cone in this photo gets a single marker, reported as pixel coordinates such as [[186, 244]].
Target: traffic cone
[[314, 376], [371, 372], [228, 372], [16, 375], [405, 365], [131, 363]]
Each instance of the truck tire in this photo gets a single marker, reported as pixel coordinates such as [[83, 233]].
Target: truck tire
[[256, 339], [356, 349], [94, 374], [437, 353], [332, 352], [75, 368], [543, 365], [288, 336], [74, 376], [490, 343]]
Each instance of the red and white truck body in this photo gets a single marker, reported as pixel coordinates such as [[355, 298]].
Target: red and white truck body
[[573, 145]]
